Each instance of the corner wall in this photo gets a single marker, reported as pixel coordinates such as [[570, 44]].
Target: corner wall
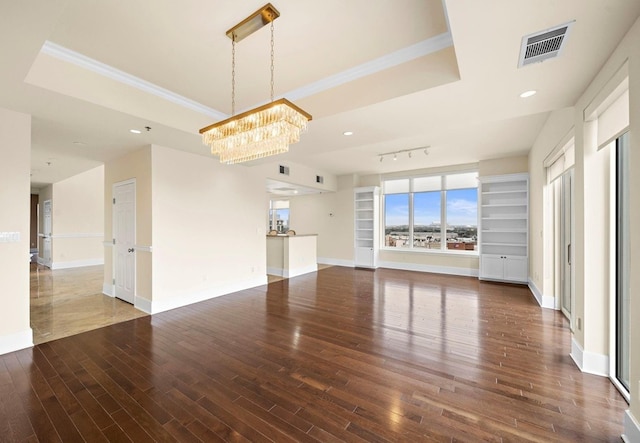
[[209, 233], [591, 341], [136, 165], [15, 168]]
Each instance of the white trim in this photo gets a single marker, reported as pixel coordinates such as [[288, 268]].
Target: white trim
[[16, 341], [157, 306], [404, 55], [108, 243], [335, 262], [275, 271], [449, 270], [631, 428], [107, 289], [43, 262], [141, 248], [545, 301], [67, 55], [290, 273], [79, 235], [142, 304], [77, 263], [589, 362]]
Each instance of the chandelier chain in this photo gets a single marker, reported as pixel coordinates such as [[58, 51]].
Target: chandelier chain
[[233, 75], [272, 57]]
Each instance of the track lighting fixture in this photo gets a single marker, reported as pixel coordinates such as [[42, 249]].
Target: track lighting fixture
[[408, 151]]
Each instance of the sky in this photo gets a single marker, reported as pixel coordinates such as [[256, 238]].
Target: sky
[[462, 208]]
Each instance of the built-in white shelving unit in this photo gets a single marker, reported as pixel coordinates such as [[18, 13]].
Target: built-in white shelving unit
[[504, 228], [366, 203]]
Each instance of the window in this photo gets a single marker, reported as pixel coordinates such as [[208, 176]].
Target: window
[[279, 215], [420, 212]]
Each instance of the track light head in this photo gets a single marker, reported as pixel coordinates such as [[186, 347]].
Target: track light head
[[426, 152], [409, 154], [395, 156], [381, 157]]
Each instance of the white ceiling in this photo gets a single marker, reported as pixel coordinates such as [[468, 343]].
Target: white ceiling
[[400, 74]]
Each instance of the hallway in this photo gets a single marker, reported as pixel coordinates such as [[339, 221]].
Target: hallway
[[66, 302]]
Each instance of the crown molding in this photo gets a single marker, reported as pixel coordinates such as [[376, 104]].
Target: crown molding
[[67, 55], [404, 55]]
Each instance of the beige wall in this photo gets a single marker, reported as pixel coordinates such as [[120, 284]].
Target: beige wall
[[78, 220], [500, 166], [15, 167], [208, 228], [592, 204], [330, 215], [136, 165]]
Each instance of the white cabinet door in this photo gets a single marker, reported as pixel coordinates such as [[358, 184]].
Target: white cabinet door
[[492, 267], [364, 257], [515, 269]]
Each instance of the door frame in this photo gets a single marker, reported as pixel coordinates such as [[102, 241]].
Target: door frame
[[113, 224]]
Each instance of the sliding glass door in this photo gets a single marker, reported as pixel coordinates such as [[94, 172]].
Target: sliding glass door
[[622, 262]]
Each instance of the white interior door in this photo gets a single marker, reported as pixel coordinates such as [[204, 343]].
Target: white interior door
[[124, 234], [46, 234]]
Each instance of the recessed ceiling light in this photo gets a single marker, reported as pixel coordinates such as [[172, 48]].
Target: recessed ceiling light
[[526, 94], [134, 131], [347, 133]]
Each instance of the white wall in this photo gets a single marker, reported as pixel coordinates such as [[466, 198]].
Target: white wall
[[15, 168], [209, 233], [78, 220]]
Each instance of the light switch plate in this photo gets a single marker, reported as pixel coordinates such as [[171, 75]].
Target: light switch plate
[[9, 237]]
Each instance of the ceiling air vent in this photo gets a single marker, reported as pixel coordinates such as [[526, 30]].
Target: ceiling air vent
[[544, 45], [319, 179], [284, 170]]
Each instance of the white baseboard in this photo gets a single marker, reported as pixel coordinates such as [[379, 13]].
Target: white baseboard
[[449, 270], [544, 301], [335, 262], [16, 341], [77, 263], [631, 428], [275, 271], [589, 362], [143, 304], [41, 261], [289, 273], [107, 289], [157, 306]]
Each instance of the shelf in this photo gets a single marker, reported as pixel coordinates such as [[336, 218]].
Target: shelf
[[509, 230], [504, 205], [507, 217], [516, 191], [519, 245]]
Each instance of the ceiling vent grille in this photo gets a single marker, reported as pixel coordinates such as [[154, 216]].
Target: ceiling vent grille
[[543, 45], [284, 170]]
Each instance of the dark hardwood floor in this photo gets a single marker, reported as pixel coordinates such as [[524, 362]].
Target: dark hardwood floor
[[339, 355]]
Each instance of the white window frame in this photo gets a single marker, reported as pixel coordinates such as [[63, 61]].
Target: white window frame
[[443, 215]]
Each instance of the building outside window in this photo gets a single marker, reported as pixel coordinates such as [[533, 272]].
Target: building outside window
[[279, 216], [420, 212]]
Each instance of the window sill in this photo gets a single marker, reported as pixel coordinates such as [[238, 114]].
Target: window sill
[[431, 251]]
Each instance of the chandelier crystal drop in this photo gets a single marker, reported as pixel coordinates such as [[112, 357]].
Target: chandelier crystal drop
[[261, 132]]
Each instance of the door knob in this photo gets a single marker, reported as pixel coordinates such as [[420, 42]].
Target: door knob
[[130, 250]]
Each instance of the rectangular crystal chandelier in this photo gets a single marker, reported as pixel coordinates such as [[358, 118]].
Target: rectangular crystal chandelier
[[263, 131]]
